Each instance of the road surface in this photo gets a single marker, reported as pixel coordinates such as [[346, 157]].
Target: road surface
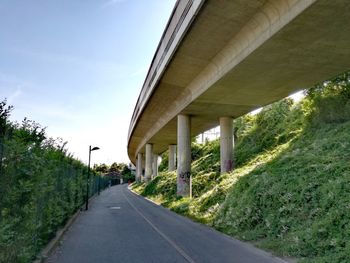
[[123, 227]]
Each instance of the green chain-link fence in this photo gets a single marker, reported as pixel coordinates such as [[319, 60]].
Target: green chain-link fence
[[41, 187]]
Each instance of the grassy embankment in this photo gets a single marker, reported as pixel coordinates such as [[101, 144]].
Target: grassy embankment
[[290, 191]]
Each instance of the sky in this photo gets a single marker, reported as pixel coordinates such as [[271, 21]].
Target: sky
[[77, 67], [214, 133]]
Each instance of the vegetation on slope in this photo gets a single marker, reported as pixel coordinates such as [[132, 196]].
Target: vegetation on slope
[[290, 191], [41, 186]]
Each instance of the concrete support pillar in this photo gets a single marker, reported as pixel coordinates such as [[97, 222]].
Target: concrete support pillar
[[155, 165], [149, 161], [139, 167], [226, 144], [172, 158], [142, 168], [184, 179]]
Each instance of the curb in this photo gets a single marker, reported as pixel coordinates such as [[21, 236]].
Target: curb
[[44, 254], [148, 199], [247, 244]]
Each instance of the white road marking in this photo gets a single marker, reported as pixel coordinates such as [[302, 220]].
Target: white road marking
[[172, 243]]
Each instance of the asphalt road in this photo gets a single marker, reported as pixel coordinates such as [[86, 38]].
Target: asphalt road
[[123, 227]]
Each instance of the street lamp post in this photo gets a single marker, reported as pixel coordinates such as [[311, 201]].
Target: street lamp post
[[88, 178], [98, 186]]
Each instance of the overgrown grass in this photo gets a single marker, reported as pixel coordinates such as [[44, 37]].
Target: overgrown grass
[[290, 191], [297, 203]]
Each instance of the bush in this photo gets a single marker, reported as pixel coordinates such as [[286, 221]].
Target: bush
[[163, 166], [41, 186], [329, 102]]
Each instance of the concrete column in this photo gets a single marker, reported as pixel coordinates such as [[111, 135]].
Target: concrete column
[[184, 179], [226, 144], [143, 168], [155, 165], [172, 158], [149, 160], [139, 167]]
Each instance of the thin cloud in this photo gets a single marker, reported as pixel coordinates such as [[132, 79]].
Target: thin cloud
[[140, 71], [18, 92], [54, 112], [13, 88], [49, 57], [111, 3], [12, 81]]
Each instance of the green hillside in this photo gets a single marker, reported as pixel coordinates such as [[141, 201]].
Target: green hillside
[[290, 191]]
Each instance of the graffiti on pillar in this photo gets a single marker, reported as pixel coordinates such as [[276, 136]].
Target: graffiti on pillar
[[228, 165], [185, 176]]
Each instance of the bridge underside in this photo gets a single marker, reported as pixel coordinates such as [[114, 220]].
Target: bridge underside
[[241, 55]]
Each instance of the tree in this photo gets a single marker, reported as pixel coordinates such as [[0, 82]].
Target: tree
[[102, 168], [4, 115], [115, 167], [127, 174]]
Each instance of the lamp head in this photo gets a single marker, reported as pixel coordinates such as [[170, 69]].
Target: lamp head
[[95, 148]]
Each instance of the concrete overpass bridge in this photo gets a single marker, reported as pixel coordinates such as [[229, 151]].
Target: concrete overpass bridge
[[220, 59]]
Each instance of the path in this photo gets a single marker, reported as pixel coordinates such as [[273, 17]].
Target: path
[[123, 227]]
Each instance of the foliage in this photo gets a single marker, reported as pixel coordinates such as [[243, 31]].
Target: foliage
[[297, 202], [290, 189], [115, 167], [275, 124], [41, 186], [163, 166], [329, 102], [102, 168], [164, 184], [119, 168], [127, 175]]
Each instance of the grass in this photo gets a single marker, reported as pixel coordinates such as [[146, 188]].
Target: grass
[[297, 203], [290, 192]]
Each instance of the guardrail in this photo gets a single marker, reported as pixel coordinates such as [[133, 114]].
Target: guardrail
[[179, 21]]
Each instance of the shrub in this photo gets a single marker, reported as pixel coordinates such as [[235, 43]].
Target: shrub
[[41, 186]]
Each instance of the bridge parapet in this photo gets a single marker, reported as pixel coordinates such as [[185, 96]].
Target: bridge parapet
[[218, 60], [179, 21]]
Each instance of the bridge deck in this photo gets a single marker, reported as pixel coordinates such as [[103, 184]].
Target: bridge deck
[[235, 56]]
